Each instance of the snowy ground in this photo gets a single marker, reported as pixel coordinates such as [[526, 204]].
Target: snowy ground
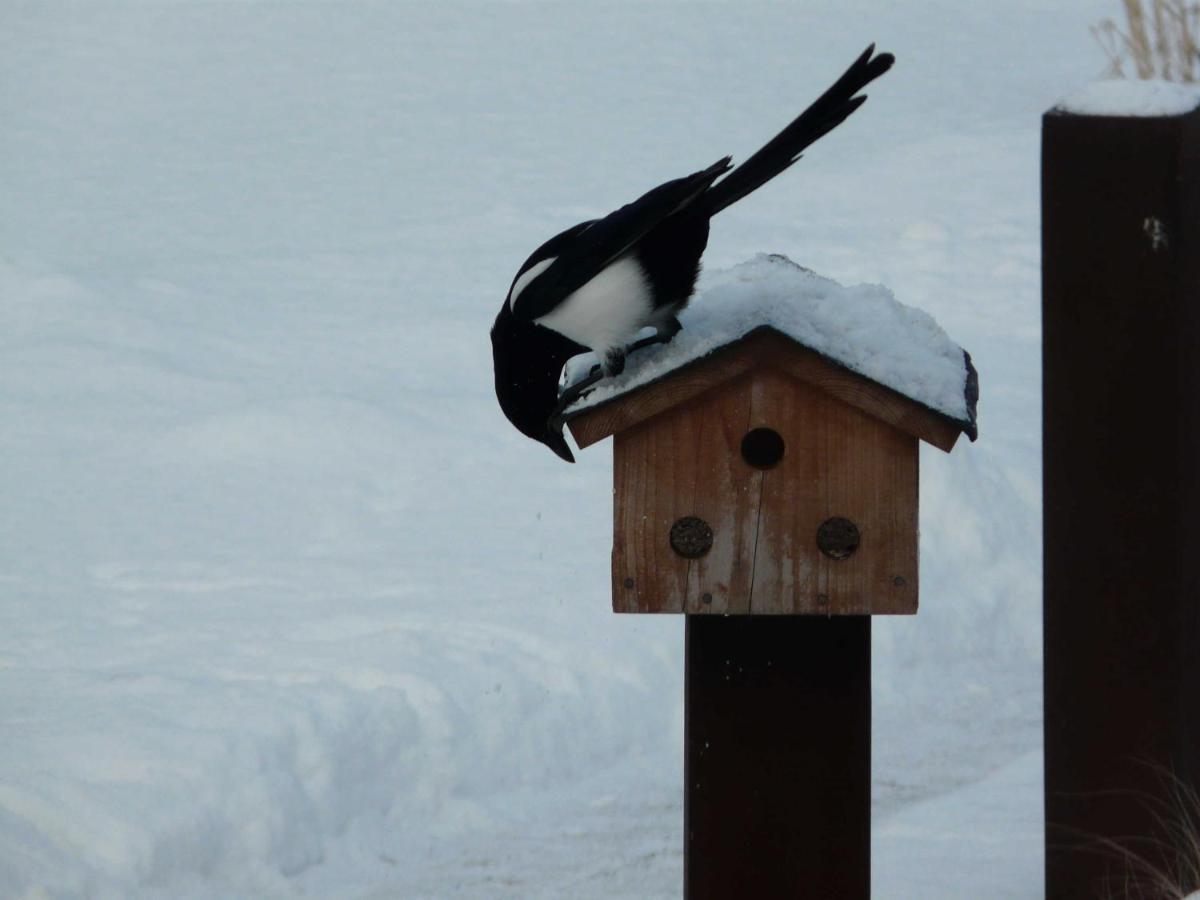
[[286, 607]]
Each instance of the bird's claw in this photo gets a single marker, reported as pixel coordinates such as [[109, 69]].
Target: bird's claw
[[614, 361], [612, 364], [573, 393]]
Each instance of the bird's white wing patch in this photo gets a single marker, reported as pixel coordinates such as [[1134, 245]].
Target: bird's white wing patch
[[608, 310], [527, 276]]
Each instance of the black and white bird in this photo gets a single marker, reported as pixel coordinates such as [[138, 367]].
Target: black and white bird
[[595, 286]]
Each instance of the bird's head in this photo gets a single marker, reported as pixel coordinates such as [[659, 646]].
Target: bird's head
[[528, 361]]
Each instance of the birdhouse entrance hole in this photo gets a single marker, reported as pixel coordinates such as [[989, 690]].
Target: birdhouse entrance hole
[[762, 448]]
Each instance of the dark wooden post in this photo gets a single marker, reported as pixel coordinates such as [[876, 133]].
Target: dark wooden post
[[777, 758], [1121, 407], [771, 496]]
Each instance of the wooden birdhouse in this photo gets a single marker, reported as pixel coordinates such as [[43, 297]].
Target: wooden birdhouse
[[764, 477]]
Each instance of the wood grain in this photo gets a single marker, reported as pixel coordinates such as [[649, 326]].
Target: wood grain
[[684, 463], [838, 461], [845, 464]]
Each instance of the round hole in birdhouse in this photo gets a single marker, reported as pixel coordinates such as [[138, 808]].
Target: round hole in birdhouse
[[762, 448]]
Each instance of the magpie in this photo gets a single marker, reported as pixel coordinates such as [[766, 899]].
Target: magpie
[[597, 285]]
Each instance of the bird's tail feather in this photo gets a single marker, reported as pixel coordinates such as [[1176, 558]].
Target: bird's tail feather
[[825, 114]]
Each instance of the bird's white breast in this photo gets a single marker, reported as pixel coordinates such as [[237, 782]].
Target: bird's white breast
[[608, 310]]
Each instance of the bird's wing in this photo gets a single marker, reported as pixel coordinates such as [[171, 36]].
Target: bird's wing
[[594, 247], [548, 251]]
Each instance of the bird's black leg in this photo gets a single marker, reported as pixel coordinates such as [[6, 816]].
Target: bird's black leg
[[614, 364], [662, 334], [614, 361]]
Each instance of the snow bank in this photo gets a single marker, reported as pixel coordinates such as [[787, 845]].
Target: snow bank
[[862, 327], [1126, 97], [287, 608], [969, 826]]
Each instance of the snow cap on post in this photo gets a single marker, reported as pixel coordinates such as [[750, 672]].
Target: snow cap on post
[[1130, 99]]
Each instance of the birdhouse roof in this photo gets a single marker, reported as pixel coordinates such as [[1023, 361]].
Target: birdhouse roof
[[858, 343]]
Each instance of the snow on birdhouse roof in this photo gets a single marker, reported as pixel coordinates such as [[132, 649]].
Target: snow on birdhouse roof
[[1131, 98], [862, 328]]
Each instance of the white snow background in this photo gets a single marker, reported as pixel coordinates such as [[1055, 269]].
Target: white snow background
[[287, 608]]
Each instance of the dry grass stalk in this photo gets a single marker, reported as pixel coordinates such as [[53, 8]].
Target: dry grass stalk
[[1166, 867], [1161, 39]]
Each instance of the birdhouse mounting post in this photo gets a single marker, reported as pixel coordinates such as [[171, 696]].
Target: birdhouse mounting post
[[777, 757], [770, 495]]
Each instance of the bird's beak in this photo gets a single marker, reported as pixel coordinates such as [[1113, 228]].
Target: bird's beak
[[556, 442]]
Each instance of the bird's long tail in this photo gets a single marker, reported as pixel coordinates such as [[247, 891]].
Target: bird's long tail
[[824, 115]]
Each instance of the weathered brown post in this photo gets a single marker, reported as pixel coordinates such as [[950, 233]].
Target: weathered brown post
[[1121, 408], [771, 495]]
